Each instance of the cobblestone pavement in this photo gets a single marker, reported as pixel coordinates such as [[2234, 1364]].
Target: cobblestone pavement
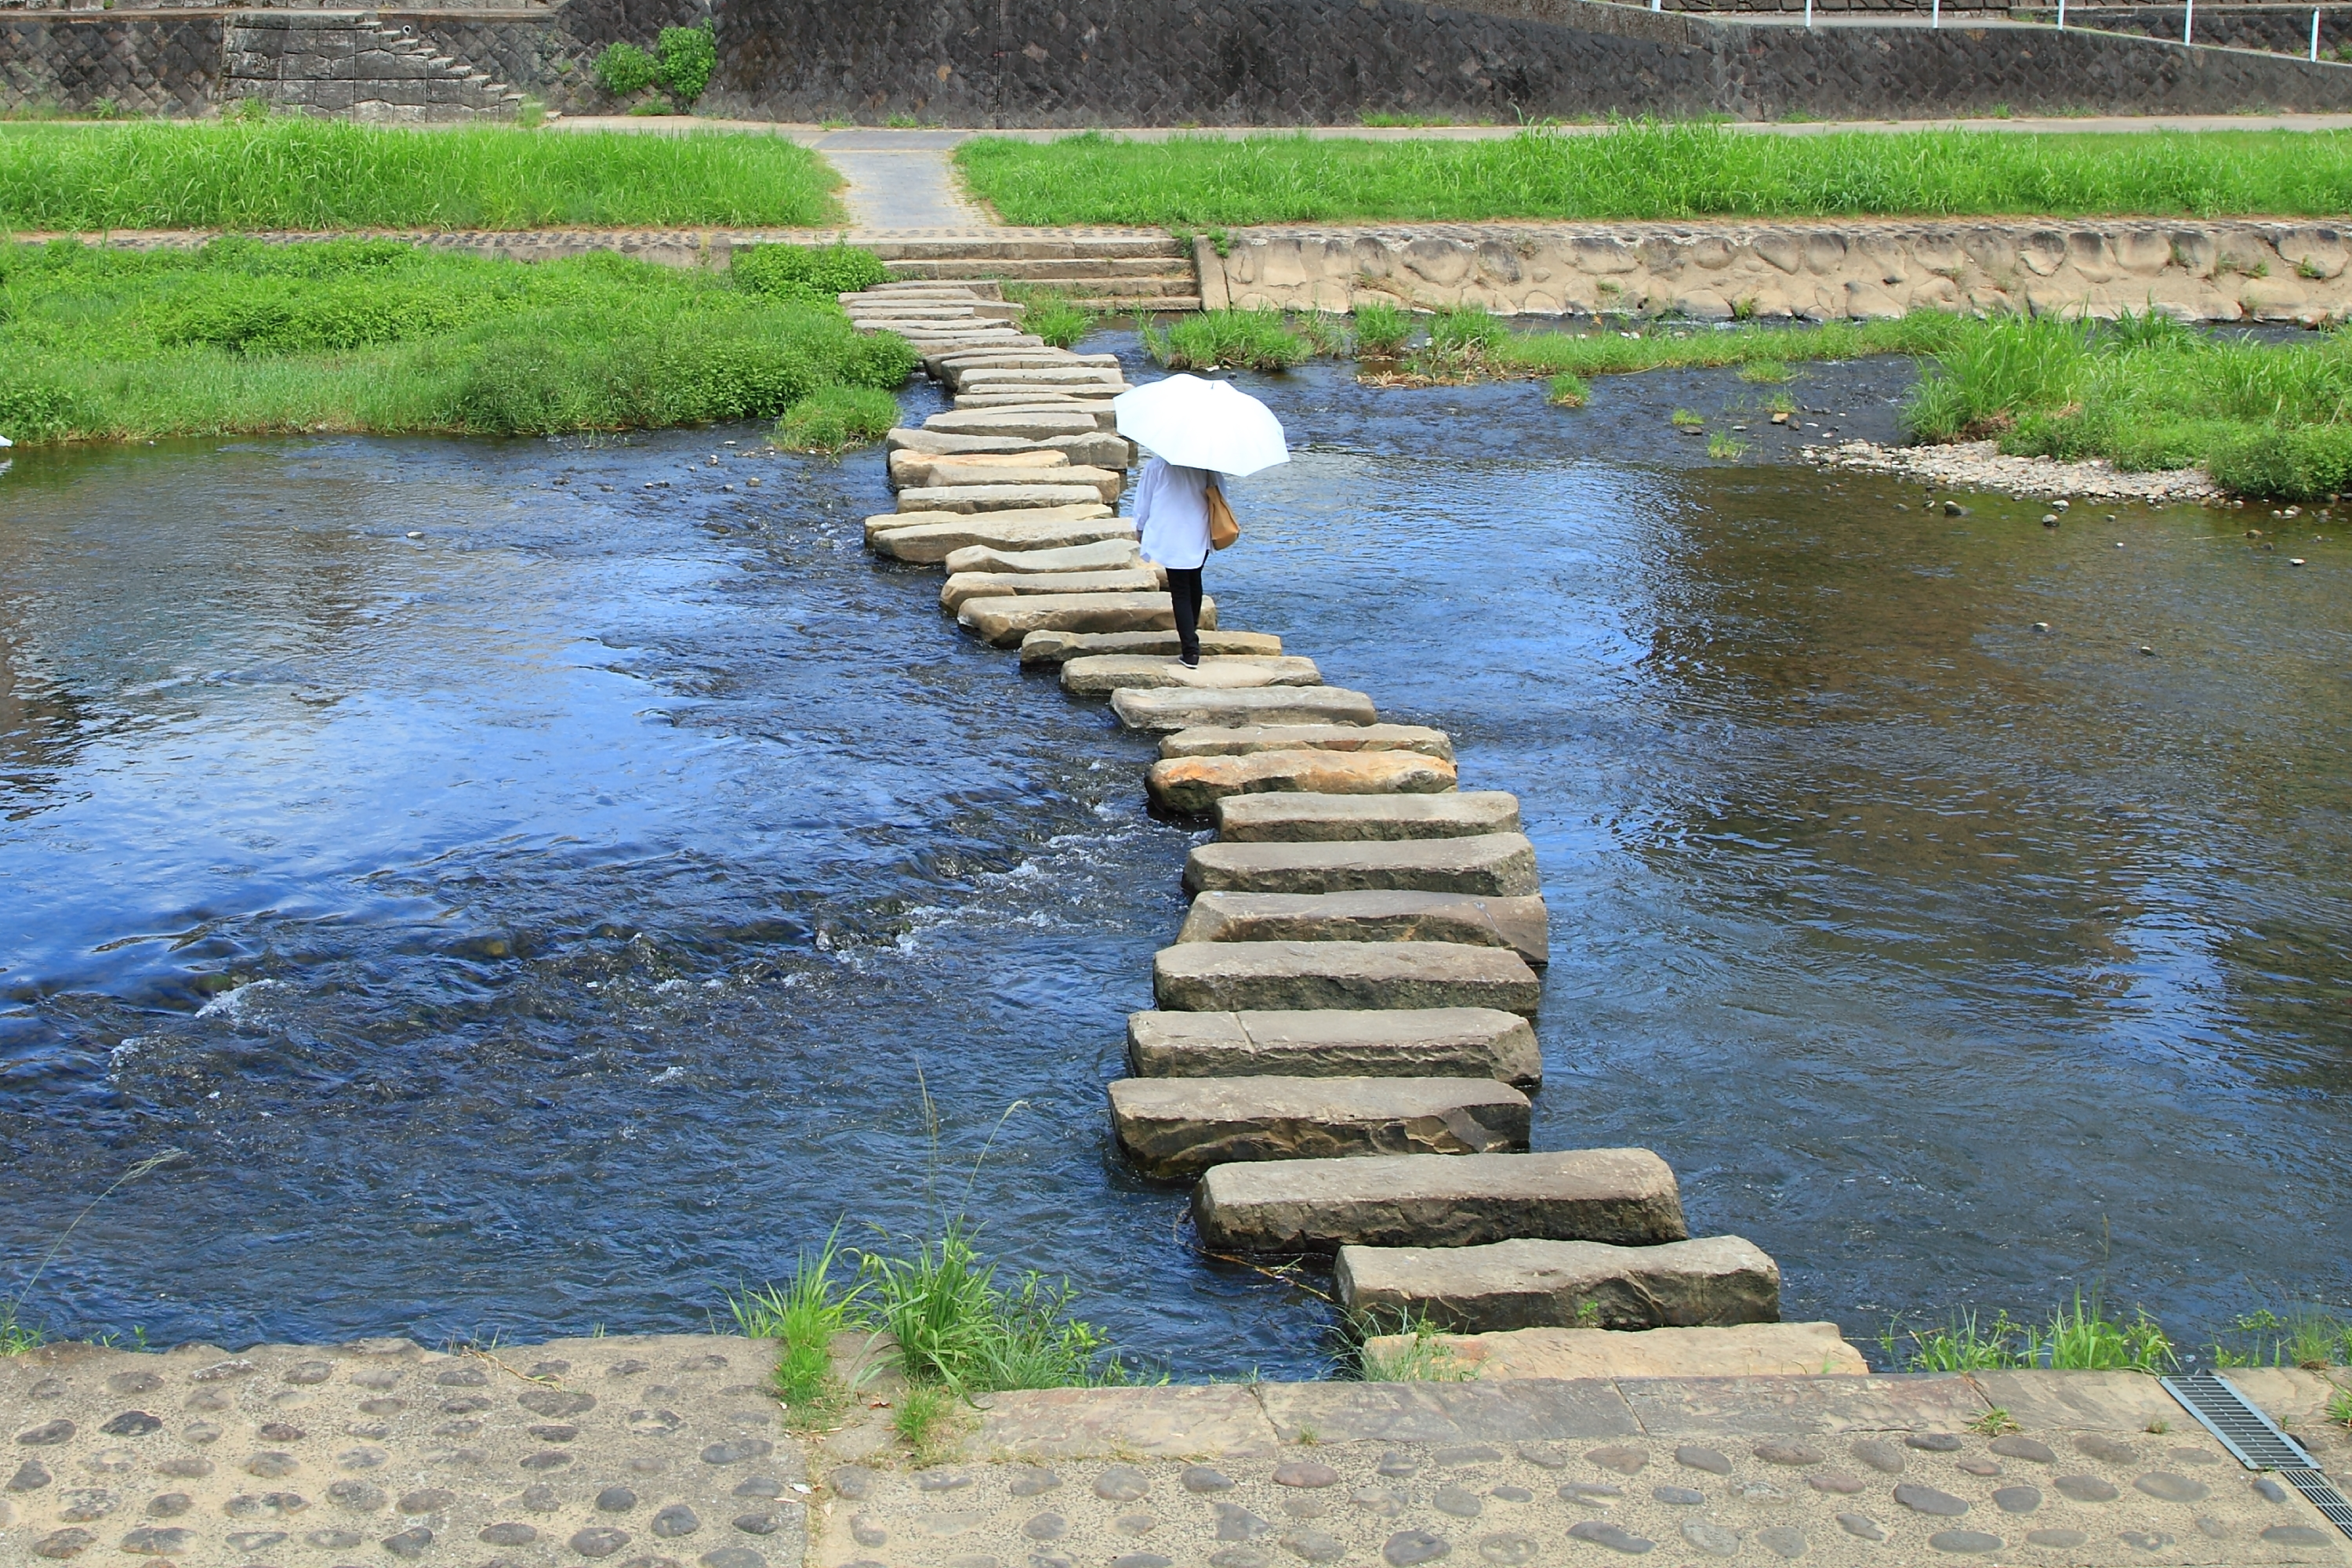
[[663, 1452]]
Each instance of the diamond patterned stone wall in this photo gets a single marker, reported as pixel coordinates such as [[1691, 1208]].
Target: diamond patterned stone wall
[[145, 64]]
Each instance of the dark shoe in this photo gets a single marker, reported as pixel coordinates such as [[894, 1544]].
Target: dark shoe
[[1189, 660]]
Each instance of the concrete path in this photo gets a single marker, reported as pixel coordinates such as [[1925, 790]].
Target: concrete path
[[671, 1450]]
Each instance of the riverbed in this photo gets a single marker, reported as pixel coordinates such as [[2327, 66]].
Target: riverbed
[[532, 907]]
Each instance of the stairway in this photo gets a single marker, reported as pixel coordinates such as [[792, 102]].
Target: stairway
[[1112, 269], [354, 63]]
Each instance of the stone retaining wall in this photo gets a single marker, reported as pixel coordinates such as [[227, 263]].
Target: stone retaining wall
[[2199, 271], [1226, 62]]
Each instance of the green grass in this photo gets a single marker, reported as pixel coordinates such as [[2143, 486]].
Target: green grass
[[2077, 1338], [2310, 1337], [957, 1326], [1650, 171], [1057, 318], [1256, 339], [805, 1315], [1421, 1359], [291, 172], [1381, 328], [17, 1334], [376, 335]]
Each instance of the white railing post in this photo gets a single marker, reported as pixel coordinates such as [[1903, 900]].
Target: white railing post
[[2062, 17], [1935, 12], [2315, 35], [2188, 23], [1809, 13]]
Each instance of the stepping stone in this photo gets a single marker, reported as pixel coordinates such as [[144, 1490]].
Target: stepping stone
[[1500, 865], [1747, 1350], [965, 586], [1402, 1042], [996, 498], [1001, 398], [1003, 623], [1626, 1197], [931, 543], [1055, 649], [912, 467], [1193, 787], [1079, 511], [943, 367], [1519, 924], [1213, 740], [1525, 1284], [1175, 710], [1099, 674], [1083, 377], [949, 473], [1296, 818], [1173, 1127], [1103, 555], [1036, 423], [1243, 976], [1095, 448]]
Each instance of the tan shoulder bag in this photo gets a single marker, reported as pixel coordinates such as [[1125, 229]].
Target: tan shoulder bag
[[1223, 529]]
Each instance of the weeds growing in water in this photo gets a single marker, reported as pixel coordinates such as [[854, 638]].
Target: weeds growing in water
[[2079, 1338], [1686, 420], [1764, 371], [2309, 1337], [1381, 328], [1057, 318], [1567, 391], [1725, 448], [1252, 340], [835, 417]]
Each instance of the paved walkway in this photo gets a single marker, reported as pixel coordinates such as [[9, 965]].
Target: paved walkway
[[669, 1451]]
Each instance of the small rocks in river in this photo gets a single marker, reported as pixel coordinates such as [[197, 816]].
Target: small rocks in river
[[2147, 649], [2042, 625], [2049, 520], [1954, 508]]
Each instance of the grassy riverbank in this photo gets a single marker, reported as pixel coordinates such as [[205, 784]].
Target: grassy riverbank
[[2273, 420], [291, 172], [379, 336], [1658, 171]]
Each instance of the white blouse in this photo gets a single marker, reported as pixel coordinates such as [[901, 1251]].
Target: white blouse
[[1172, 508]]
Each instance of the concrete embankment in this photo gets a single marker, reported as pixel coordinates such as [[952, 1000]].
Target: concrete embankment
[[2250, 270]]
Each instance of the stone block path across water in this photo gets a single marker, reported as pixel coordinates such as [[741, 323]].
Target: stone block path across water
[[669, 1451]]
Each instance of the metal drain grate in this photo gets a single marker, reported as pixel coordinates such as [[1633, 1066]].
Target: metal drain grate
[[2256, 1443]]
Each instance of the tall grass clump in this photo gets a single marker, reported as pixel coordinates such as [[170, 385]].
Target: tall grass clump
[[292, 171], [806, 271], [1381, 328], [1657, 171], [2312, 1338], [834, 419], [805, 1315], [1057, 318], [1250, 340], [2080, 1337], [376, 335], [1413, 1353], [956, 1325]]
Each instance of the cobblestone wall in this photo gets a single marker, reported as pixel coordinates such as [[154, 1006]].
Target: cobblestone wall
[[1715, 271], [142, 65]]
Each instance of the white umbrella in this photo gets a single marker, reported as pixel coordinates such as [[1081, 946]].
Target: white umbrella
[[1197, 424]]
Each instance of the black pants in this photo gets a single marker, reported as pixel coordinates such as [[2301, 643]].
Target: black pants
[[1185, 589]]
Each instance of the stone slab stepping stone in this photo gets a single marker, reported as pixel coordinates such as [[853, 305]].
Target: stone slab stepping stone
[[908, 466], [965, 586], [946, 367], [1081, 376], [1003, 623], [1193, 787], [948, 473], [1178, 709], [1626, 1197], [1747, 1350], [1467, 813], [1095, 448], [1035, 424], [1525, 1284], [1520, 924], [1076, 511], [1006, 397], [1103, 555], [1401, 1042], [996, 498], [1053, 648], [1173, 1127], [1217, 740], [1100, 674], [1501, 865], [931, 544], [1243, 976]]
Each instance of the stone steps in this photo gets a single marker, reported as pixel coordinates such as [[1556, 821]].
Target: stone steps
[[1288, 976], [1172, 1127], [1498, 865], [1525, 1284], [1341, 1049], [1403, 1042], [1197, 787], [1308, 817], [1626, 1197], [1519, 924], [1186, 709]]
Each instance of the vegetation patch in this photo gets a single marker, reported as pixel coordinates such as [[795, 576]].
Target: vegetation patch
[[1654, 171], [2077, 1338], [1057, 318], [292, 171], [381, 336], [1250, 340]]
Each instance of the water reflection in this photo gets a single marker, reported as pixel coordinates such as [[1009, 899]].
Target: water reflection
[[548, 920]]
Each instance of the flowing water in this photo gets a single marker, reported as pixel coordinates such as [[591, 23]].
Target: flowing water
[[534, 906]]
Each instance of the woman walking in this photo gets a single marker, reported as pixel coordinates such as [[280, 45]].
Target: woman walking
[[1171, 508]]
